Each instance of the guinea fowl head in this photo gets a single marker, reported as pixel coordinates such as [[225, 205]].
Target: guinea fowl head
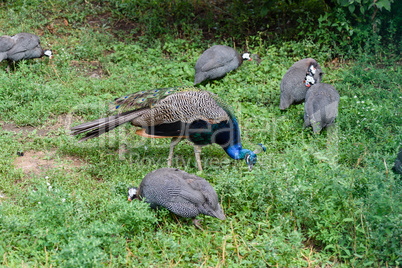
[[309, 80], [48, 53], [246, 56], [132, 193]]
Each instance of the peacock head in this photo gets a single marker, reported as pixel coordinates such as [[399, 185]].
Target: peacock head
[[132, 193], [251, 156]]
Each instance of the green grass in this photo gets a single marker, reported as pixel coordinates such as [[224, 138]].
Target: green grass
[[311, 200]]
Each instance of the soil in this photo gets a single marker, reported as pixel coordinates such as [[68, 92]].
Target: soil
[[37, 163], [92, 69]]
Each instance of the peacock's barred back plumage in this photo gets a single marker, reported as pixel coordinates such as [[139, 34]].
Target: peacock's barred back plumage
[[168, 105]]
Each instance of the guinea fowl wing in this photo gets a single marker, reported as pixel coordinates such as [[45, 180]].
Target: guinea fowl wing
[[25, 42], [212, 64], [6, 43]]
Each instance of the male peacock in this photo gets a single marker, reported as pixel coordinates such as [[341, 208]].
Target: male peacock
[[21, 46], [178, 113]]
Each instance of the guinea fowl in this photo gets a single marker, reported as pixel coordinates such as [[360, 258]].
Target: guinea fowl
[[321, 106], [398, 163], [216, 62], [21, 46], [297, 80], [178, 113], [182, 193]]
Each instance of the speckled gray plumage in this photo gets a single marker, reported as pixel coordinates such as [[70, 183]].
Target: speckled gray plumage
[[398, 163], [321, 106], [182, 193], [293, 89], [216, 62], [20, 46]]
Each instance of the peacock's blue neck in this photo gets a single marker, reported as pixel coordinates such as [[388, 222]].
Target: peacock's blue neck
[[236, 151]]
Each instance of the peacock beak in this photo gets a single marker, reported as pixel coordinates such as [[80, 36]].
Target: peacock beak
[[250, 167]]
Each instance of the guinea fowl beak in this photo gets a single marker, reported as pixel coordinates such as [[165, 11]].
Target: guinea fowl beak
[[129, 199]]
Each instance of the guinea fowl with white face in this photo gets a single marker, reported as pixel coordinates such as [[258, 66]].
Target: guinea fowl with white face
[[216, 62], [184, 194], [297, 80], [21, 46]]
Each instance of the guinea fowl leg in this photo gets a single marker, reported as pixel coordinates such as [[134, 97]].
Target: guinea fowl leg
[[173, 143], [197, 151], [197, 224]]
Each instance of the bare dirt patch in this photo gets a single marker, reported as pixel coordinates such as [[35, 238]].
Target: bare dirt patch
[[121, 29], [38, 162], [92, 69]]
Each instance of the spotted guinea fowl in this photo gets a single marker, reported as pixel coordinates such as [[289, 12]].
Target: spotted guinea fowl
[[216, 62], [397, 168], [21, 46], [321, 106], [178, 113], [182, 193], [297, 80]]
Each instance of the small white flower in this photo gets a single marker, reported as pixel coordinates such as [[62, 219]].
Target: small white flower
[[362, 101], [47, 177], [39, 203], [372, 109], [48, 184], [358, 101], [355, 96], [357, 121], [63, 200]]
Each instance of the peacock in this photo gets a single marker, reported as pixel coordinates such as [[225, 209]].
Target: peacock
[[178, 113], [21, 46]]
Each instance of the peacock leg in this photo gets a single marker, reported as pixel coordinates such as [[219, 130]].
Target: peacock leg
[[173, 143], [197, 151]]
